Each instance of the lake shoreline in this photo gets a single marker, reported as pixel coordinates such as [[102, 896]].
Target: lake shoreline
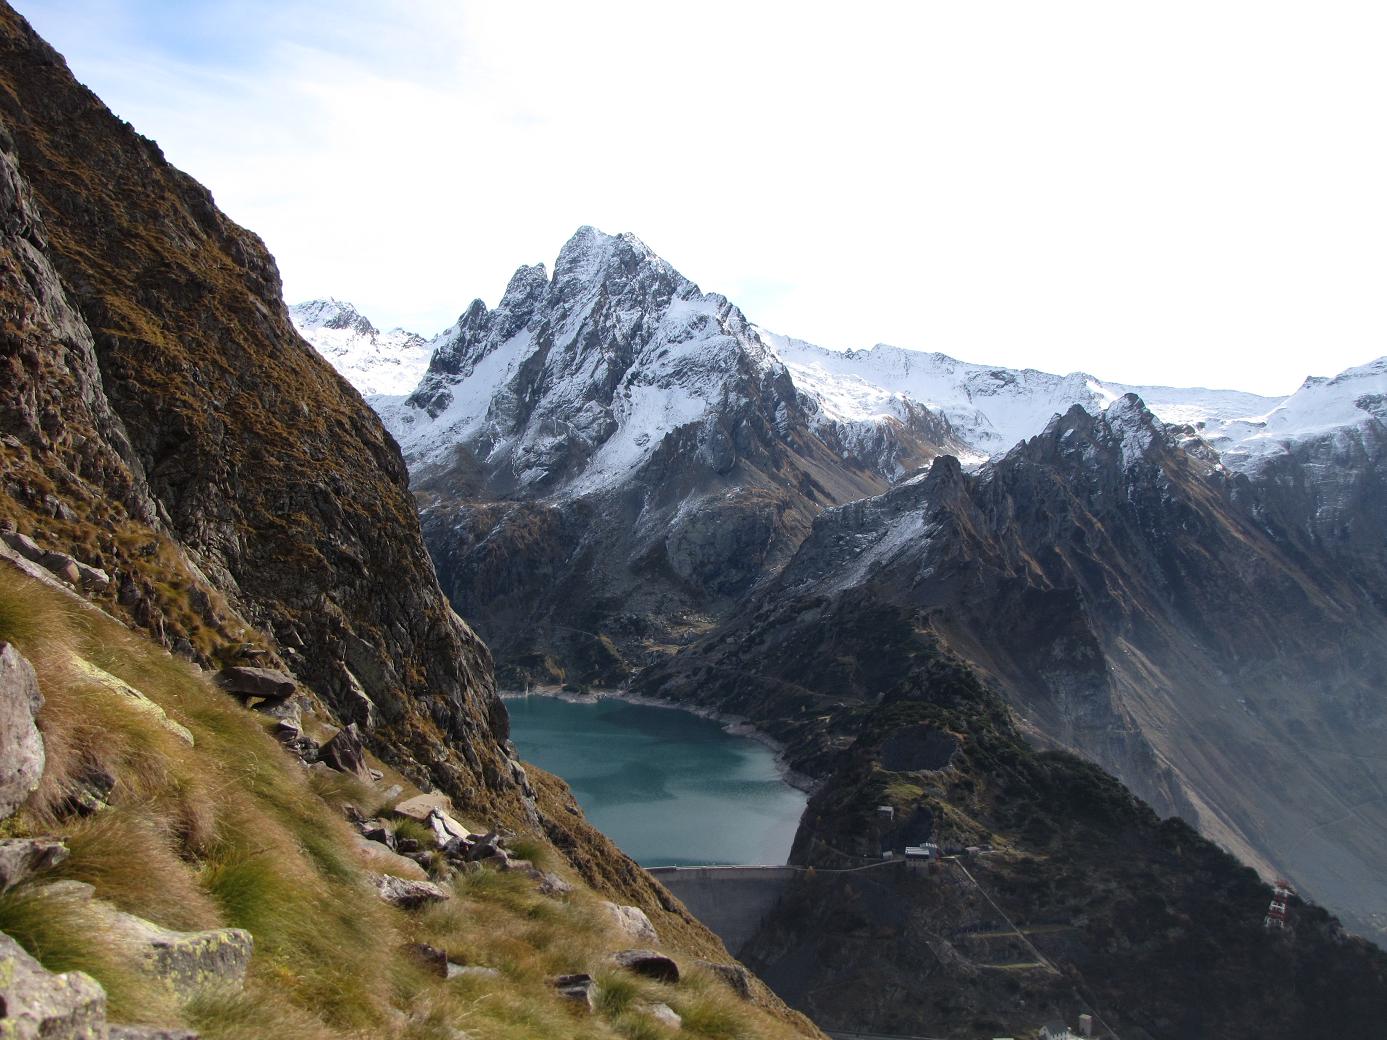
[[736, 725]]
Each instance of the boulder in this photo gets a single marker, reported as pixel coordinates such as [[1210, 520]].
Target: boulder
[[246, 681], [646, 963], [21, 746], [345, 753], [36, 1004], [632, 922], [406, 893], [663, 1013], [580, 989], [150, 1033], [21, 858], [189, 963], [136, 700], [377, 831], [24, 545], [61, 565], [736, 977], [93, 578]]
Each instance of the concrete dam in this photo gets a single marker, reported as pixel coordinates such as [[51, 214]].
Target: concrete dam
[[731, 901]]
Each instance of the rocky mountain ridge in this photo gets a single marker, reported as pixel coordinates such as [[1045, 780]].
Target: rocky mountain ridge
[[1127, 595]]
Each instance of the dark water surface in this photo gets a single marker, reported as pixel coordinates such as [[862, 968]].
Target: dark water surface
[[671, 788]]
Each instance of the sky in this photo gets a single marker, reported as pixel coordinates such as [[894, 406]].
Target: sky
[[1176, 193]]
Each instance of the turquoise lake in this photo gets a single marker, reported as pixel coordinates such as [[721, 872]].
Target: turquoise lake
[[671, 788]]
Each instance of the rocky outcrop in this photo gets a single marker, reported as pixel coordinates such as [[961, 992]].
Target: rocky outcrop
[[36, 1004], [21, 745]]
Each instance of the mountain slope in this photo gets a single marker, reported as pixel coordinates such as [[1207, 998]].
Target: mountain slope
[[176, 461], [1131, 601], [374, 362]]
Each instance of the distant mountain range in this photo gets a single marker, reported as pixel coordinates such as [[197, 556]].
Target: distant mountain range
[[622, 475]]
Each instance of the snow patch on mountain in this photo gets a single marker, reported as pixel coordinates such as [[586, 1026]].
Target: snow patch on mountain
[[374, 362], [1321, 408], [990, 407]]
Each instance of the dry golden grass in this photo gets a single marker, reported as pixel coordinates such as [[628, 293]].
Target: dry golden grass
[[234, 832]]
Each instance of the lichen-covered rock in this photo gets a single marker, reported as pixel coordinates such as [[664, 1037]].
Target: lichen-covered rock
[[21, 746], [21, 858], [36, 1004], [23, 544], [150, 1033], [190, 963]]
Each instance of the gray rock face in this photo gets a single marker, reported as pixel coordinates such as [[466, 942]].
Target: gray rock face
[[36, 1004], [21, 745], [22, 858], [663, 1014], [149, 1033]]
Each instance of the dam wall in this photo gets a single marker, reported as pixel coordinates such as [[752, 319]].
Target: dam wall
[[731, 901]]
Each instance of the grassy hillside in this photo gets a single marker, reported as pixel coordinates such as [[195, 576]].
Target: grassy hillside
[[234, 831]]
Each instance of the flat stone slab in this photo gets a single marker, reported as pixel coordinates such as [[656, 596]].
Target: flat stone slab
[[246, 681], [421, 806]]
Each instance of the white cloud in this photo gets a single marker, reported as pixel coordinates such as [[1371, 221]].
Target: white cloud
[[1155, 193]]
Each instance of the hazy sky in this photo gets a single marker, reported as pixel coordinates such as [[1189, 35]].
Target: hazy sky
[[1174, 192]]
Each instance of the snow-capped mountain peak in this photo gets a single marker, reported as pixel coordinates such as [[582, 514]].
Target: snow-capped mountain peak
[[571, 382], [374, 362]]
